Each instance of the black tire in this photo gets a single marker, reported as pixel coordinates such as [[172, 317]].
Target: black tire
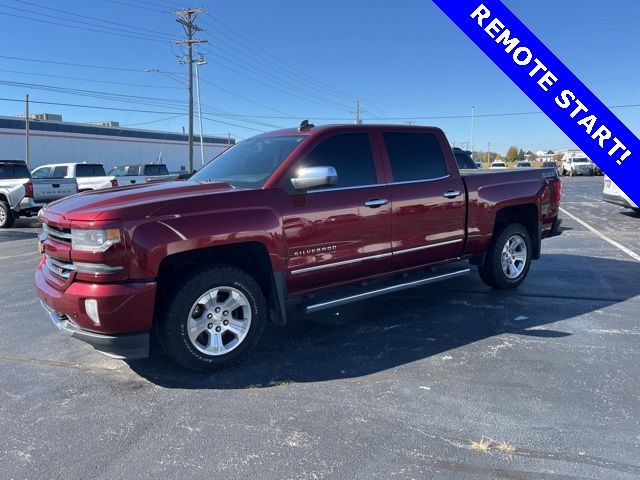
[[6, 215], [491, 272], [174, 314]]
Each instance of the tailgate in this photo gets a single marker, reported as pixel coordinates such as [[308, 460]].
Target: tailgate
[[50, 189]]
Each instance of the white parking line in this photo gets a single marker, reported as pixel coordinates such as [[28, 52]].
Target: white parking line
[[632, 254]]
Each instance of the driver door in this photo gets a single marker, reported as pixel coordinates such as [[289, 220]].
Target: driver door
[[337, 233]]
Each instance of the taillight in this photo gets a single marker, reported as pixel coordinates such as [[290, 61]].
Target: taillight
[[557, 194], [114, 182], [28, 190]]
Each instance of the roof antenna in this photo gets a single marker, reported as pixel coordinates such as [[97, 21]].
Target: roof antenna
[[305, 125]]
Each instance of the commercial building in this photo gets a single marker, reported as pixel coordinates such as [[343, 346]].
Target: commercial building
[[52, 140]]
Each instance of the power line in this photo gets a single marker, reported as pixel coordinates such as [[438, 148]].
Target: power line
[[115, 109], [73, 14], [100, 28], [91, 80], [119, 2], [307, 78], [82, 65]]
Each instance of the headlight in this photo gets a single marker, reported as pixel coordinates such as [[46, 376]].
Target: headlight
[[99, 240]]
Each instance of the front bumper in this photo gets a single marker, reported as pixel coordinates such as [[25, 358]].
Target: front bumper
[[131, 346], [125, 313]]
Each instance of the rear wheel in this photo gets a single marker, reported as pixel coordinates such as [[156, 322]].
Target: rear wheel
[[508, 260], [6, 215], [213, 319]]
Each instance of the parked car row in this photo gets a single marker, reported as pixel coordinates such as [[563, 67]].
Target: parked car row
[[24, 193]]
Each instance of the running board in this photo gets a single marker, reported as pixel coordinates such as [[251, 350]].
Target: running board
[[433, 277]]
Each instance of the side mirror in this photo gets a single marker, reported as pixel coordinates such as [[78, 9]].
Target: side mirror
[[313, 177]]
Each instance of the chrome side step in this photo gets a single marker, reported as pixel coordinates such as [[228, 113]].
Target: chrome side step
[[315, 307]]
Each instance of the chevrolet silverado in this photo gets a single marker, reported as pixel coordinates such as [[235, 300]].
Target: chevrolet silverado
[[285, 223]]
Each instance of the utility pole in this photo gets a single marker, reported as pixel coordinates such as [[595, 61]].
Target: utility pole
[[473, 118], [358, 119], [26, 131], [186, 18]]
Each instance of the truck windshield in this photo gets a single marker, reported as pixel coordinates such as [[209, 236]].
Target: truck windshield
[[249, 163]]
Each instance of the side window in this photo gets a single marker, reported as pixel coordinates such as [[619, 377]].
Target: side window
[[59, 172], [42, 172], [133, 171], [350, 154], [415, 156], [117, 172]]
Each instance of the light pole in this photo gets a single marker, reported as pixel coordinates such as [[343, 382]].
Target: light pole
[[202, 61], [167, 74]]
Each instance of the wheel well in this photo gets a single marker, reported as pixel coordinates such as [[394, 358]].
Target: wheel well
[[3, 198], [527, 215], [251, 257]]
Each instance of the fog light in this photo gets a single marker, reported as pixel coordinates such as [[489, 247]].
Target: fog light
[[91, 307]]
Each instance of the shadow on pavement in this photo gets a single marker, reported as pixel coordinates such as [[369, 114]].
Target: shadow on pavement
[[10, 235], [393, 330]]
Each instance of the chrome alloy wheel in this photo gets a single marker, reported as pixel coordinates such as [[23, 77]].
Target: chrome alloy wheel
[[514, 256], [219, 321]]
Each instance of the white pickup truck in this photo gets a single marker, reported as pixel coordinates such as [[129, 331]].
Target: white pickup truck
[[90, 176], [146, 173], [22, 196]]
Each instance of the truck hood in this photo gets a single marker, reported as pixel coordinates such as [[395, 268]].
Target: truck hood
[[123, 203]]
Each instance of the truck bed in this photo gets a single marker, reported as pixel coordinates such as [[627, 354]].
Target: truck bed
[[489, 191]]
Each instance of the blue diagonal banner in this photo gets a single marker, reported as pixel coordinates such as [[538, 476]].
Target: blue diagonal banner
[[552, 86]]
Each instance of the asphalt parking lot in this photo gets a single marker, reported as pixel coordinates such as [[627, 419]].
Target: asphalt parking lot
[[446, 381]]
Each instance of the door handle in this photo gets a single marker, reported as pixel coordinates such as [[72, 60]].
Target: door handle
[[452, 193], [55, 185], [132, 181], [376, 202]]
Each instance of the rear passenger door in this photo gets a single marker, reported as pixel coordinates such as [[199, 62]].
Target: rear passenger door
[[337, 233], [427, 195]]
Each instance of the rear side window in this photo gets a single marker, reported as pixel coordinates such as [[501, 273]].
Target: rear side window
[[133, 171], [83, 170], [415, 156], [14, 172], [59, 172], [156, 170], [350, 154]]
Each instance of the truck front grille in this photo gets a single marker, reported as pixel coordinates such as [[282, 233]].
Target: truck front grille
[[58, 234], [58, 267]]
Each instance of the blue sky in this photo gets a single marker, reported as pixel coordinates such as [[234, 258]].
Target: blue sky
[[274, 63]]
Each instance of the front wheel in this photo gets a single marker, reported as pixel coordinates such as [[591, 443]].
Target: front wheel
[[508, 260], [213, 319], [6, 215]]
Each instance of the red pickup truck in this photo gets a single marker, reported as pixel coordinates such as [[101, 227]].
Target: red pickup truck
[[306, 218]]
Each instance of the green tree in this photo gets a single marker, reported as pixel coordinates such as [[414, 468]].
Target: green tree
[[520, 156], [512, 154]]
